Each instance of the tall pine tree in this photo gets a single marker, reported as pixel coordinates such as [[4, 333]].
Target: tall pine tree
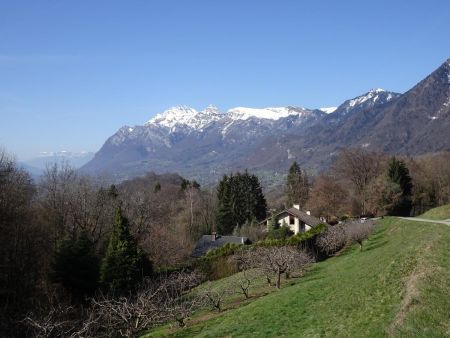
[[76, 266], [240, 200], [297, 186], [398, 173], [124, 264]]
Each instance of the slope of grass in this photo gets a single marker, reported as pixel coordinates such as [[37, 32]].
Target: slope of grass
[[439, 213], [397, 286]]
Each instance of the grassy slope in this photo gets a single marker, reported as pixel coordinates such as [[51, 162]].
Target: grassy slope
[[398, 286], [439, 213]]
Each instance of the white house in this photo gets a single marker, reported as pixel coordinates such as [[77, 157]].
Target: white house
[[295, 219]]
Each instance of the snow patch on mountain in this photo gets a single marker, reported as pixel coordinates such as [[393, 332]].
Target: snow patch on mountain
[[372, 94], [271, 113], [328, 110], [183, 116]]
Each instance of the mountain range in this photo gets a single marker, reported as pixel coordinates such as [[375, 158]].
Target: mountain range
[[208, 143]]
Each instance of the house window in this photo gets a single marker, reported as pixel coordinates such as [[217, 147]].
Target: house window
[[302, 227], [291, 220]]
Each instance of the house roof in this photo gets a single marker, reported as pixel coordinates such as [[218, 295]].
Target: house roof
[[303, 216], [207, 242]]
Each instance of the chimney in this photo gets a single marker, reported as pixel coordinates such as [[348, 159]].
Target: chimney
[[214, 236], [308, 212], [297, 206]]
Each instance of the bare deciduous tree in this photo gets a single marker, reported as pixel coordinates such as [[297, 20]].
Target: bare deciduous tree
[[358, 232], [278, 260], [155, 303], [359, 167], [327, 198], [333, 239], [244, 279], [214, 297]]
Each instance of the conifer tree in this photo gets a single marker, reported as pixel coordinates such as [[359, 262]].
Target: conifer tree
[[76, 266], [124, 264], [398, 173], [297, 186], [240, 200]]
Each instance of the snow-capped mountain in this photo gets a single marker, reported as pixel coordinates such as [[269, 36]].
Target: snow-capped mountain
[[186, 117], [366, 101], [328, 110], [204, 144], [273, 113]]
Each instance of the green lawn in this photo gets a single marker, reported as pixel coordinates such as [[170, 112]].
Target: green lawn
[[439, 213], [397, 286]]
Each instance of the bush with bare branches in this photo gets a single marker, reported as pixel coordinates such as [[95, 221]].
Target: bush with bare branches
[[333, 239], [277, 260], [156, 302], [213, 297], [358, 232]]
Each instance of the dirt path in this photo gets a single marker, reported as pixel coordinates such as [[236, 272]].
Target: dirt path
[[416, 219]]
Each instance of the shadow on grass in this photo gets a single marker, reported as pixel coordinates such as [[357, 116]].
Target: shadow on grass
[[374, 245], [377, 240]]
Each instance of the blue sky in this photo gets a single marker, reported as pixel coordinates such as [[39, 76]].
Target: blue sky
[[73, 72]]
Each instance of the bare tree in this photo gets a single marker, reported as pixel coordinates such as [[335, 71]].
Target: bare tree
[[215, 296], [333, 239], [55, 192], [243, 279], [61, 320], [359, 167], [278, 260], [156, 302], [327, 198], [358, 232]]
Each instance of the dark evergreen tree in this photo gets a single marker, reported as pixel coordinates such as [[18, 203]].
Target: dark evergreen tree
[[124, 264], [157, 187], [76, 266], [225, 217], [113, 192], [297, 186], [398, 173], [273, 224], [240, 200]]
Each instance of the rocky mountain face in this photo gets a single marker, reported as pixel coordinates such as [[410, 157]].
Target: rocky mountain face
[[206, 144]]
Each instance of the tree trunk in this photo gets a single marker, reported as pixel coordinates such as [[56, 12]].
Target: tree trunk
[[278, 285]]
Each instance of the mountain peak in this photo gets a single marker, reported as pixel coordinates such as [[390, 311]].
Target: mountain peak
[[211, 109], [376, 90], [270, 113], [184, 116]]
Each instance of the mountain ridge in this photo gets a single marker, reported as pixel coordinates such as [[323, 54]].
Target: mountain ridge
[[205, 144]]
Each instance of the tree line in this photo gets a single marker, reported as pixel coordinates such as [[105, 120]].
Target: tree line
[[68, 237]]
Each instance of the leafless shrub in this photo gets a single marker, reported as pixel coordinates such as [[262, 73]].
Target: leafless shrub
[[358, 232], [60, 321], [214, 297], [333, 239], [278, 260], [155, 303], [244, 279]]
